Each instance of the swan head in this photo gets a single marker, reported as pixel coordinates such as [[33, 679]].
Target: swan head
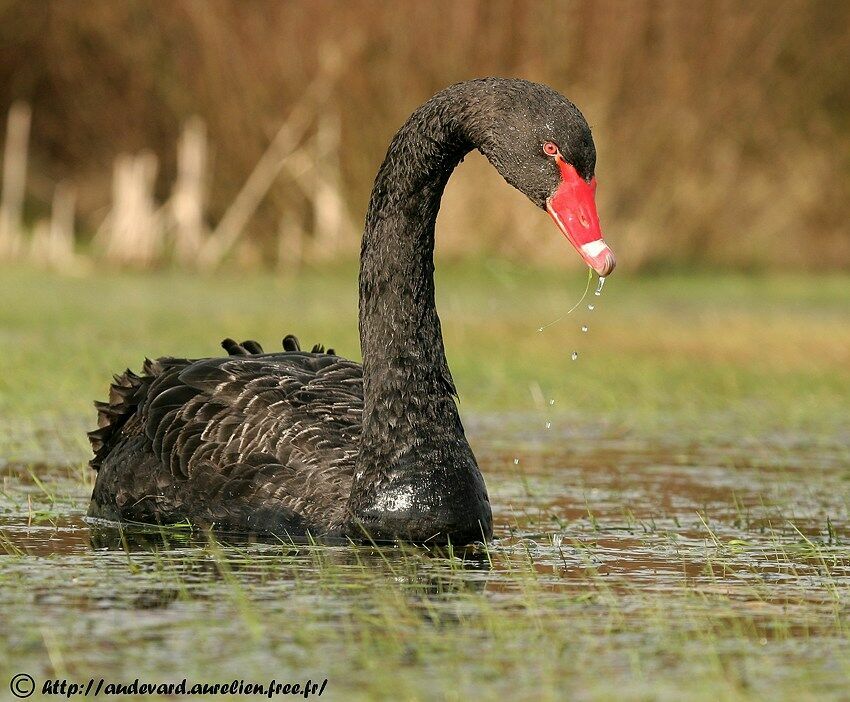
[[541, 144]]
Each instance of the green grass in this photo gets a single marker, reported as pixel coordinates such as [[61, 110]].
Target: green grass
[[773, 351], [679, 530]]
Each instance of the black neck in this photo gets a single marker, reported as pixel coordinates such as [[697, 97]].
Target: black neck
[[408, 388], [415, 474]]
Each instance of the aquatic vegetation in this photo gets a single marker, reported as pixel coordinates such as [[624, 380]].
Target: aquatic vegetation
[[615, 564], [672, 514]]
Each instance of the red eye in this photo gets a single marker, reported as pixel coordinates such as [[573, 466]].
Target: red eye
[[550, 148]]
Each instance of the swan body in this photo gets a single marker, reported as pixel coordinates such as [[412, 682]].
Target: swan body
[[296, 443]]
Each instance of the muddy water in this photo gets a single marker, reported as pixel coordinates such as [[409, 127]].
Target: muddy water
[[579, 511], [647, 510]]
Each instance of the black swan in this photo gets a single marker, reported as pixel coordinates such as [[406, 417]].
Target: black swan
[[310, 444]]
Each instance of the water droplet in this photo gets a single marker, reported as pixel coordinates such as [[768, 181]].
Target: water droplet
[[551, 402], [591, 307], [574, 355], [584, 328], [548, 425], [598, 290], [516, 461]]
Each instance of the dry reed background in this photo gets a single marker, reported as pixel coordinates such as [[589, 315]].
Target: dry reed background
[[723, 128]]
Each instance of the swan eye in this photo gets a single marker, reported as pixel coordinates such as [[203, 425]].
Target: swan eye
[[550, 148]]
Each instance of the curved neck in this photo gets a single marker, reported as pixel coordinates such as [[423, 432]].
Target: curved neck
[[415, 474], [407, 384]]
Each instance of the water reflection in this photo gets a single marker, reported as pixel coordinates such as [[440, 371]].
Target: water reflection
[[571, 514]]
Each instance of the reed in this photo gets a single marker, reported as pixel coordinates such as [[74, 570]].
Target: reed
[[721, 126], [14, 179]]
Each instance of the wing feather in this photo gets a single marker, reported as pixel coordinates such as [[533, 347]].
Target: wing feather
[[254, 441]]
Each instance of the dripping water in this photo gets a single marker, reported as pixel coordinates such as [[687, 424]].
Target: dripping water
[[599, 285], [570, 311]]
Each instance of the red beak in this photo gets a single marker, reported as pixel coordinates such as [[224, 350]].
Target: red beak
[[573, 207]]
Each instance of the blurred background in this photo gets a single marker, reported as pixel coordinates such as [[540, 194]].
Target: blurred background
[[213, 133], [179, 171]]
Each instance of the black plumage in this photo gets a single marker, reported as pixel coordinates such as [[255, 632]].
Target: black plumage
[[310, 443]]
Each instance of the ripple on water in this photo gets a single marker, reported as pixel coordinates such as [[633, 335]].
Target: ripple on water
[[583, 515]]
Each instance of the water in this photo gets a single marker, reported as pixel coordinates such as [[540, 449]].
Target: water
[[650, 547], [599, 286], [42, 506], [598, 292]]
